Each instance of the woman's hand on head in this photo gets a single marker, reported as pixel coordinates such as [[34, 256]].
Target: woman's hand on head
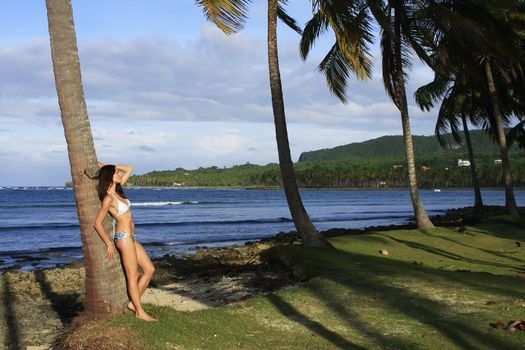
[[110, 254]]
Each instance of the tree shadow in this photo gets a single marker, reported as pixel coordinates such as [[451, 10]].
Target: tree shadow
[[292, 313], [13, 338], [354, 320], [323, 264], [488, 251], [372, 278], [499, 228], [436, 315], [450, 255], [66, 305]]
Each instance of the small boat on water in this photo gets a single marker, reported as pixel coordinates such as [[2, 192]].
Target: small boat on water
[[437, 190]]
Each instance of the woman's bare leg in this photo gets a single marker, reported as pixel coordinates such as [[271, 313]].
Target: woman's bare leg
[[129, 260], [147, 267]]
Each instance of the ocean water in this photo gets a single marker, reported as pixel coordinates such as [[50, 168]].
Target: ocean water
[[39, 226]]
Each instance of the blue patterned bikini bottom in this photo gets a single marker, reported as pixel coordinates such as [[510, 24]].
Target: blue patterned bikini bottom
[[120, 235]]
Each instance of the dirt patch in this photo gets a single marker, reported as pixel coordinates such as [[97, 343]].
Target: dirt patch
[[83, 334], [38, 305], [196, 293]]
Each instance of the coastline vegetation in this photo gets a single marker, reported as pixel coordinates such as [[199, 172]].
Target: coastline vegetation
[[377, 163], [362, 173]]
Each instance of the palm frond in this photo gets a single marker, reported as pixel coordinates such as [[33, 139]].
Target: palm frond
[[452, 109], [353, 32], [285, 18], [336, 69], [388, 66], [427, 95], [517, 134], [442, 127], [228, 15], [313, 28]]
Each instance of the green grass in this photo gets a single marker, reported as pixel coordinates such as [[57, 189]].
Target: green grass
[[430, 292]]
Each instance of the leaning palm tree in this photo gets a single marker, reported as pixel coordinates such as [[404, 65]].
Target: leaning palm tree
[[229, 15], [458, 104], [105, 283], [302, 221], [397, 40], [510, 201], [489, 39], [351, 23]]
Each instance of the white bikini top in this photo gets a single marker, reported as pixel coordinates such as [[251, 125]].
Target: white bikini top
[[122, 207]]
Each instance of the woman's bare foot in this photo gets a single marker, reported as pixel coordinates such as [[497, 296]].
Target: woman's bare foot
[[131, 306], [145, 317]]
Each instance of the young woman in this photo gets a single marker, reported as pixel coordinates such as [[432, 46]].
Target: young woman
[[132, 253]]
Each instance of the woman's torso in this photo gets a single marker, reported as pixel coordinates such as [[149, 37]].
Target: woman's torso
[[121, 212]]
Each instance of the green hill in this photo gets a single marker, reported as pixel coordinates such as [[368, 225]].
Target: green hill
[[426, 148], [374, 163]]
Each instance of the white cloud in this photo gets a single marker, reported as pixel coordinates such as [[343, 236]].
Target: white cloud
[[158, 103], [218, 78]]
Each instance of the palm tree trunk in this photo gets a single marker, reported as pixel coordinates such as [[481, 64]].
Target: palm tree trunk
[[510, 201], [309, 234], [478, 200], [105, 283], [422, 220]]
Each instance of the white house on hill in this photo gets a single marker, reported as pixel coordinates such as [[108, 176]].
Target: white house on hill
[[462, 162]]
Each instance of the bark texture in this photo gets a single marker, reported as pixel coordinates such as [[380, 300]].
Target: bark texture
[[478, 200], [309, 234], [105, 282], [422, 220], [510, 201]]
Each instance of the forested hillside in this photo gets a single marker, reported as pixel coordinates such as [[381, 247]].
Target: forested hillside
[[426, 148], [374, 163]]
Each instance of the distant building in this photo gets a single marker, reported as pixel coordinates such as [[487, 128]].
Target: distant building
[[497, 161], [178, 184], [462, 162], [397, 166], [381, 184], [425, 168]]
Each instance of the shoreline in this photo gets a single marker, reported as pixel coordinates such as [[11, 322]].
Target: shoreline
[[452, 217]]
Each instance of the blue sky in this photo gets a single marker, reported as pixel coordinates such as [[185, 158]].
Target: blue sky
[[166, 89]]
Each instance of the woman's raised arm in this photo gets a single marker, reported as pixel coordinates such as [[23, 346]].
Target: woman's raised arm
[[126, 169]]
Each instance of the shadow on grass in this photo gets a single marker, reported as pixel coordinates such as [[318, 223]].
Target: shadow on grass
[[499, 227], [450, 255], [488, 251], [13, 338], [341, 307], [66, 305], [434, 314], [289, 311], [373, 276]]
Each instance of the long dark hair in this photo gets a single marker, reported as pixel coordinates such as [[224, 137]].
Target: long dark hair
[[105, 180]]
